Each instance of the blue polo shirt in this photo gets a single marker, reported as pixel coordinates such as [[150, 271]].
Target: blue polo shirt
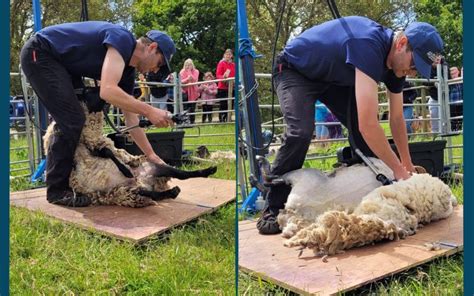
[[81, 48], [331, 51]]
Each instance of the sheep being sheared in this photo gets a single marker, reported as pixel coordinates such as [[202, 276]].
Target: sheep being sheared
[[112, 176], [387, 212], [314, 192]]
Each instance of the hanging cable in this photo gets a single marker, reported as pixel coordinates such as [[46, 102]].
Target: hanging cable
[[333, 8], [84, 12]]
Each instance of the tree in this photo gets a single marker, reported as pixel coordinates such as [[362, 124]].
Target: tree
[[447, 17], [201, 29]]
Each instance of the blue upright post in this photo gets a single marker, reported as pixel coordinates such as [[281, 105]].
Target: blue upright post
[[250, 104], [42, 112]]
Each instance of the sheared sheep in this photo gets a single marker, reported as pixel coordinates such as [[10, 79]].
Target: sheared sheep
[[314, 192], [112, 176], [339, 221]]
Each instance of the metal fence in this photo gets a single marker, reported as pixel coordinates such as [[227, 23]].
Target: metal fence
[[421, 121], [26, 154]]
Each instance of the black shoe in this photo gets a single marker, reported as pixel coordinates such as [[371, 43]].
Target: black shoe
[[70, 199], [267, 224]]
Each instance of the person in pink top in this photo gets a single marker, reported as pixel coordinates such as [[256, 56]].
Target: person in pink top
[[208, 95], [225, 69], [189, 74]]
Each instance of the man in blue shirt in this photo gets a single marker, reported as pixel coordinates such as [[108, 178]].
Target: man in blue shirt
[[341, 62], [56, 59]]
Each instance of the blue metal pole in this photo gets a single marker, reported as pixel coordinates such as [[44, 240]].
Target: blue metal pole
[[42, 112], [37, 15], [253, 126], [247, 60]]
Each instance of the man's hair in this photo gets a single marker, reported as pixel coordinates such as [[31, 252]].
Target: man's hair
[[209, 74], [147, 41], [399, 34]]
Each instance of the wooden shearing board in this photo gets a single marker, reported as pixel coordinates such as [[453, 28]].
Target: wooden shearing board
[[198, 196], [266, 257]]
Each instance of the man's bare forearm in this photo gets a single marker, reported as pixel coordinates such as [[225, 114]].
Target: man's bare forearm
[[375, 138], [400, 138]]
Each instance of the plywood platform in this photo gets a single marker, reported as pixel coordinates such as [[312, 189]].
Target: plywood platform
[[266, 257], [198, 196]]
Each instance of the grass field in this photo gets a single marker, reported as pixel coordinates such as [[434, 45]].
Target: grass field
[[48, 257]]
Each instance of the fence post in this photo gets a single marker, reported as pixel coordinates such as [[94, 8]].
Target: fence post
[[424, 110], [230, 99], [445, 111], [28, 126], [178, 94]]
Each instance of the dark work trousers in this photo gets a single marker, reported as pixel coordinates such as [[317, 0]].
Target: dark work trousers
[[55, 89], [297, 95], [189, 106], [207, 108], [223, 105]]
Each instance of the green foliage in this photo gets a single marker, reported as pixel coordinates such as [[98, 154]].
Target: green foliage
[[202, 30], [447, 17]]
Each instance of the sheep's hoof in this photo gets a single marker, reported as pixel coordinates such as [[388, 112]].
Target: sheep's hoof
[[174, 192], [209, 171]]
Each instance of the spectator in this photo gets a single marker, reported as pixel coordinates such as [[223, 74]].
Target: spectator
[[144, 89], [433, 101], [322, 132], [409, 97], [170, 92], [208, 95], [159, 94], [456, 100], [328, 131], [225, 69], [190, 74]]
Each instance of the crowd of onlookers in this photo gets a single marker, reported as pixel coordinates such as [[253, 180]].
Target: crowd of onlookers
[[208, 95]]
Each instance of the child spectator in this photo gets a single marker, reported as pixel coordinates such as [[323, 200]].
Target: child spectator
[[170, 92], [409, 97], [144, 89], [208, 95], [455, 100]]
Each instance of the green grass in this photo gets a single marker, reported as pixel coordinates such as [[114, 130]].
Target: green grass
[[48, 257]]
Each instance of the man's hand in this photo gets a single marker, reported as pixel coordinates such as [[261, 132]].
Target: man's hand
[[155, 159], [159, 118], [401, 174], [409, 167]]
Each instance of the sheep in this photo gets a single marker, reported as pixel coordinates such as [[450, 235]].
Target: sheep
[[387, 212], [112, 176], [342, 189]]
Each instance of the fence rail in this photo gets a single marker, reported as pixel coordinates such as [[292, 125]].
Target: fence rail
[[23, 127], [421, 117]]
